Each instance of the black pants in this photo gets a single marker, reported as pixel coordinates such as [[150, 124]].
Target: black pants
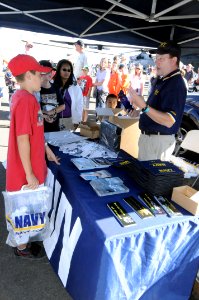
[[101, 98]]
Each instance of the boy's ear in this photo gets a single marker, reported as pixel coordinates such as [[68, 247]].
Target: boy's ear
[[28, 75]]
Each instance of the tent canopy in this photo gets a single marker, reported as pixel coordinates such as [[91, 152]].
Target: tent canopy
[[142, 23]]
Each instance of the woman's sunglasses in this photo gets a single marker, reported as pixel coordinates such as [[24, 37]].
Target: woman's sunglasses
[[66, 70]]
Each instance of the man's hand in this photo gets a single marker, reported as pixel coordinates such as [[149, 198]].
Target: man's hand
[[134, 113], [135, 99], [51, 156]]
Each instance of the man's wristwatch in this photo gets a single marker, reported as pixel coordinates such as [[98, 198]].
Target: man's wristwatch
[[145, 109]]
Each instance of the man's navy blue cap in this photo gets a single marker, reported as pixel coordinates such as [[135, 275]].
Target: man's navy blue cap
[[169, 47]]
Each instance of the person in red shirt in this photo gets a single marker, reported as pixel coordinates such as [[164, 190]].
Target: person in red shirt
[[85, 82], [26, 163]]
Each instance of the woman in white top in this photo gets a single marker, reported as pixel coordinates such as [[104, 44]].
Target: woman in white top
[[71, 93], [137, 80], [102, 79]]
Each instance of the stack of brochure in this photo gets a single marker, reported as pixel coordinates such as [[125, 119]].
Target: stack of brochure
[[156, 176]]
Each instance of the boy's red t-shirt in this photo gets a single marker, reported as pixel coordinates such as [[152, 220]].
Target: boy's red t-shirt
[[87, 84], [26, 118]]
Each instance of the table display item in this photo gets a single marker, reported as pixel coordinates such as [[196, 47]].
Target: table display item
[[153, 205], [95, 175], [121, 214], [110, 135], [109, 186], [155, 176], [187, 197], [102, 162], [168, 207], [138, 207], [90, 130], [83, 163], [119, 162]]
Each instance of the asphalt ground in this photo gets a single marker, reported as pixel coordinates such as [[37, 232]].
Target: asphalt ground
[[23, 278]]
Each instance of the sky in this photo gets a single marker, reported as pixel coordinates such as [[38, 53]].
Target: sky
[[14, 43]]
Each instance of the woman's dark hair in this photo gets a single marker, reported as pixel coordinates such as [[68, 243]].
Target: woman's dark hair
[[57, 77]]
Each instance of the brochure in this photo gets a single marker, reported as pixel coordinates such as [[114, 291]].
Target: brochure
[[83, 163], [95, 175], [153, 205], [168, 207], [120, 213], [108, 186], [158, 167], [102, 162], [139, 208], [119, 162]]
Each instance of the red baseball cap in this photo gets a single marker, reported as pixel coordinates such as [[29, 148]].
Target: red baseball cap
[[23, 63]]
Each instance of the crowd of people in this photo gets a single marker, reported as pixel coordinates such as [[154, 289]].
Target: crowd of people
[[53, 100], [109, 77]]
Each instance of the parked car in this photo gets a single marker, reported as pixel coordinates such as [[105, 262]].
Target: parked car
[[190, 118]]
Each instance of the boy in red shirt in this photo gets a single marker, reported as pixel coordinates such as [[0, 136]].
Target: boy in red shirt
[[85, 82], [26, 148]]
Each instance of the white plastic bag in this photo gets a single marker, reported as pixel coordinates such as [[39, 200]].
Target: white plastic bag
[[27, 215]]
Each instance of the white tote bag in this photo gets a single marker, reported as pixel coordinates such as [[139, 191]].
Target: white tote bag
[[27, 214]]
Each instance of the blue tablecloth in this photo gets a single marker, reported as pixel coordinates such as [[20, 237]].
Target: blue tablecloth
[[98, 259]]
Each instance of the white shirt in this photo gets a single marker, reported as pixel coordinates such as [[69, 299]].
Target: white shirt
[[103, 75], [80, 62]]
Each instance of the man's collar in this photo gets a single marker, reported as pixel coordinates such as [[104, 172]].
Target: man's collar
[[173, 73]]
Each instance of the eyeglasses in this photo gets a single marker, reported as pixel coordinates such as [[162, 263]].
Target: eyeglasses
[[66, 70]]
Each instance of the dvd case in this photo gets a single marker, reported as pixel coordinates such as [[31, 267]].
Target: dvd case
[[121, 214], [95, 174], [139, 208], [83, 163], [109, 186], [168, 207], [153, 205], [102, 162]]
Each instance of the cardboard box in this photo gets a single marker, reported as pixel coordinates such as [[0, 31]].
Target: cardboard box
[[107, 112], [130, 133], [90, 129], [187, 197], [195, 292], [130, 129]]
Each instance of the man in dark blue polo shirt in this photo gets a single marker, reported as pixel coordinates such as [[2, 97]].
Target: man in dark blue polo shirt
[[161, 115]]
